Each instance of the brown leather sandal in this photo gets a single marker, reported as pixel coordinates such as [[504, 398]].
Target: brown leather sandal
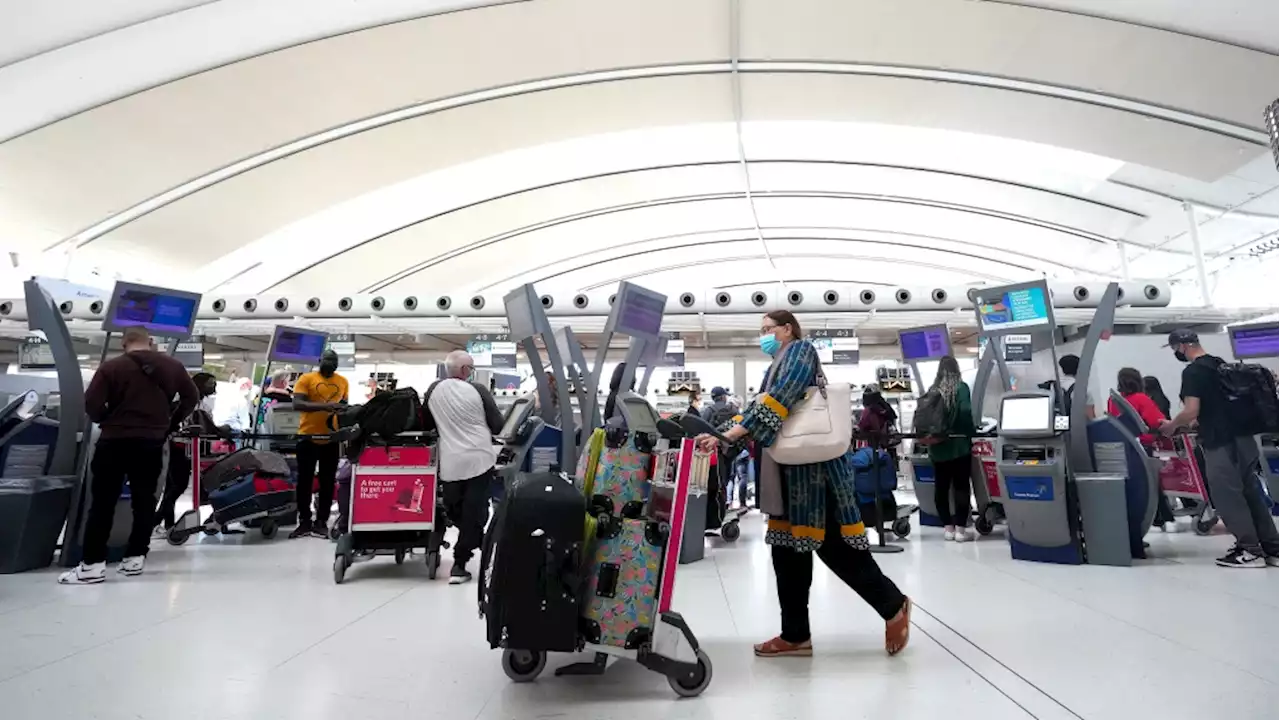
[[778, 647], [897, 632]]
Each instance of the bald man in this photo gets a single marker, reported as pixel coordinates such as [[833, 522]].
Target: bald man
[[467, 419]]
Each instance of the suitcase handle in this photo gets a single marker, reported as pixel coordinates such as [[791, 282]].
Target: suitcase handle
[[559, 579]]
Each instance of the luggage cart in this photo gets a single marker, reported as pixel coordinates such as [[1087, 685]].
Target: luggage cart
[[670, 647], [392, 506], [1180, 477]]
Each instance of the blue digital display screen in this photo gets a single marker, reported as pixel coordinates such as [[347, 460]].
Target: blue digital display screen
[[156, 312], [1255, 342], [925, 343], [1023, 308], [295, 345]]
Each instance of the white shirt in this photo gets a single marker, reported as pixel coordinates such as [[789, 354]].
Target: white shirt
[[466, 446]]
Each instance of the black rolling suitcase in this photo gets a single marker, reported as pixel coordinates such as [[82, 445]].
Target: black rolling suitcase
[[530, 566]]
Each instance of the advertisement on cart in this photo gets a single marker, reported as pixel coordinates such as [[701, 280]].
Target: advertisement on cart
[[393, 501]]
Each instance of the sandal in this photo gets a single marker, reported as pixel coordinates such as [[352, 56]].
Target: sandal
[[778, 647], [897, 632]]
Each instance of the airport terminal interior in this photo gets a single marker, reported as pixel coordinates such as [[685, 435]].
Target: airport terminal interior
[[617, 219]]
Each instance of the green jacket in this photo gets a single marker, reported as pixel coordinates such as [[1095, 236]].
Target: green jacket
[[960, 421]]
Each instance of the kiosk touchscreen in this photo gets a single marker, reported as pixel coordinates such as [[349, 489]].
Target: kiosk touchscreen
[[521, 430], [638, 414], [1031, 462]]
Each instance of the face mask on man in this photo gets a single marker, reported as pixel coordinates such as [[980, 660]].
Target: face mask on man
[[1180, 356], [328, 364], [769, 344]]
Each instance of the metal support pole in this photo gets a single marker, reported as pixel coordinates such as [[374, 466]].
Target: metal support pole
[[1202, 278]]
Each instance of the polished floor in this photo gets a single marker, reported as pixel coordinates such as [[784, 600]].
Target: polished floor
[[239, 628]]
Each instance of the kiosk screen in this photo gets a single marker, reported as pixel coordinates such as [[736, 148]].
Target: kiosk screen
[[1024, 414]]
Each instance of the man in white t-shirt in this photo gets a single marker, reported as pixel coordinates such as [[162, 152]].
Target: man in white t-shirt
[[1070, 365], [467, 419]]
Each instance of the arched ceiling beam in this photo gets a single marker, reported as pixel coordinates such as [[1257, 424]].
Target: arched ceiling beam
[[809, 232], [1067, 94], [705, 197]]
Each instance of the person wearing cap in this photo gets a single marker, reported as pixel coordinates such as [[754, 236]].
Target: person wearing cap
[[720, 410], [1229, 458]]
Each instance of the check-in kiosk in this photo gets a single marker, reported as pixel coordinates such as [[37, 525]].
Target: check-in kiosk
[[1038, 500], [525, 445], [554, 445], [1261, 341]]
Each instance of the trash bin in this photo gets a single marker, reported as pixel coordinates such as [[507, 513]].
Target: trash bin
[[1104, 518], [32, 513]]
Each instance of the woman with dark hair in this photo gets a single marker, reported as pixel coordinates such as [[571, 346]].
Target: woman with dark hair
[[615, 382], [817, 511], [1151, 386], [952, 457], [1132, 386]]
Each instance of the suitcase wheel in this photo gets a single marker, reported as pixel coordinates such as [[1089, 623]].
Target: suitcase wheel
[[176, 537], [268, 528], [902, 527], [731, 531], [692, 684], [524, 666]]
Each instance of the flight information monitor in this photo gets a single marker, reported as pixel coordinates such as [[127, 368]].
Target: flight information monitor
[[926, 343], [639, 312], [159, 311], [1013, 308], [1026, 414], [1259, 340], [297, 345]]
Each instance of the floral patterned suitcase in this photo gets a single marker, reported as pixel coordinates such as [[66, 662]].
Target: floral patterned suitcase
[[622, 584], [621, 484]]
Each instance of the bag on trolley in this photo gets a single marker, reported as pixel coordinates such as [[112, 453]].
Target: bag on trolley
[[621, 596], [620, 485], [530, 565], [248, 482]]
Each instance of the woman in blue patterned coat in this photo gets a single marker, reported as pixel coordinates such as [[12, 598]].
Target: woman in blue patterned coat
[[820, 509]]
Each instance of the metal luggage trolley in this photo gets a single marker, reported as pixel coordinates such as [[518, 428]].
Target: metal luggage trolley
[[392, 506], [1180, 477]]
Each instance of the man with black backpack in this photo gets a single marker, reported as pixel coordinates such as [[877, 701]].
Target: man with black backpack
[[1232, 403], [131, 398]]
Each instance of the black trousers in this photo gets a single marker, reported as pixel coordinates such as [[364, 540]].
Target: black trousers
[[176, 482], [316, 460], [951, 489], [114, 461], [466, 502], [857, 568]]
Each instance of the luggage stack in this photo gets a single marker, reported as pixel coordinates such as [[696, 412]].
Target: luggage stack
[[552, 583]]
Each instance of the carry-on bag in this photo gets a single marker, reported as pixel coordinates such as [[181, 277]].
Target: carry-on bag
[[530, 566], [621, 595], [621, 482]]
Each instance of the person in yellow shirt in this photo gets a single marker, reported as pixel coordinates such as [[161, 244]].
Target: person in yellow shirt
[[317, 395]]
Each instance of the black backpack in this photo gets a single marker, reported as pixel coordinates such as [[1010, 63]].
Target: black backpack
[[386, 415], [722, 415], [931, 414], [1250, 401]]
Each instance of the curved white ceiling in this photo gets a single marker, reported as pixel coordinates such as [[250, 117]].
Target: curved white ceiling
[[507, 143]]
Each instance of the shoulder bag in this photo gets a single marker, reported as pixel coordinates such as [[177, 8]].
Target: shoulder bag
[[818, 428]]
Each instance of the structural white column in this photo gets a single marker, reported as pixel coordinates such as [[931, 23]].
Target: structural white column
[[1124, 261], [740, 378], [1202, 278]]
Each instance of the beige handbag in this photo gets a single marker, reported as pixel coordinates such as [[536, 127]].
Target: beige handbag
[[818, 428]]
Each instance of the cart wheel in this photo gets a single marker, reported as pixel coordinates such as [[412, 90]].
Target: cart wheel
[[269, 528], [340, 565], [433, 564], [523, 666], [902, 527], [692, 685], [731, 531], [334, 533], [1205, 526], [983, 525], [400, 556], [176, 537], [210, 531]]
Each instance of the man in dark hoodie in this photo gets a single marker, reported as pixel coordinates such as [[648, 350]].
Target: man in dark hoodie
[[131, 398]]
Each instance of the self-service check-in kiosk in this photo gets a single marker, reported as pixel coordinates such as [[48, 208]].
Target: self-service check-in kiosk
[[1261, 341], [528, 443], [1032, 461]]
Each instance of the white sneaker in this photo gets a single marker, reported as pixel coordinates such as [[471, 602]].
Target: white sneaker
[[132, 565], [964, 535], [159, 533], [949, 534], [1171, 527], [84, 574]]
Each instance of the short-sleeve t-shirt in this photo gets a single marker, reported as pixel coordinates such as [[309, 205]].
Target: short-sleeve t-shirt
[[1200, 380], [319, 389]]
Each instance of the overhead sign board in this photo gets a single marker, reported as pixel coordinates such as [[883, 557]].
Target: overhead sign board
[[493, 351], [674, 355], [1013, 308], [35, 354], [345, 347], [1017, 349], [190, 354], [837, 347]]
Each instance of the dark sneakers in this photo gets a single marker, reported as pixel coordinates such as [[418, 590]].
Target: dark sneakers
[[300, 531], [459, 575], [1238, 557]]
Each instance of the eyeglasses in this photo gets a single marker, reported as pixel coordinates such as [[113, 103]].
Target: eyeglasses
[[767, 329]]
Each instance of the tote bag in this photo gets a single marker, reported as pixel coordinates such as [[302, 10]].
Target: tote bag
[[819, 428]]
